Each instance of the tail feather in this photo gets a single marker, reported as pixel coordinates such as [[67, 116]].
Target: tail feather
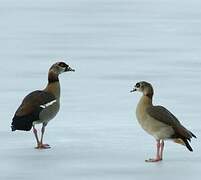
[[187, 145], [193, 135], [22, 123]]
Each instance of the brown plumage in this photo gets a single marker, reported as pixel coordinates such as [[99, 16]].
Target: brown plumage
[[42, 105], [180, 132], [159, 122]]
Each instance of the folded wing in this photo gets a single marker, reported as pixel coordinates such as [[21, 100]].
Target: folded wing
[[30, 109]]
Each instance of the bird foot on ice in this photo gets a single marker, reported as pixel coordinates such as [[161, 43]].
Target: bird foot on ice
[[153, 160], [43, 146]]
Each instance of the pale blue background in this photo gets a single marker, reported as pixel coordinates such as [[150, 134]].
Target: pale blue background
[[112, 44]]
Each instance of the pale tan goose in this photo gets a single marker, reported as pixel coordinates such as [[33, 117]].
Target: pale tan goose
[[41, 106], [159, 122]]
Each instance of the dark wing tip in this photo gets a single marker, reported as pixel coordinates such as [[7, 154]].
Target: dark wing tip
[[23, 123], [188, 145], [13, 128], [193, 135]]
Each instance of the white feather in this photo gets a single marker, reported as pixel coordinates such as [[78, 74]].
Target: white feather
[[48, 104]]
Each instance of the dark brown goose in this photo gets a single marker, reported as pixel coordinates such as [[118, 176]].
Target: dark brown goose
[[41, 106], [159, 122]]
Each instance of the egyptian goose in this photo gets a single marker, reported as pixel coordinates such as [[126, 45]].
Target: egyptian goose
[[159, 122], [41, 106]]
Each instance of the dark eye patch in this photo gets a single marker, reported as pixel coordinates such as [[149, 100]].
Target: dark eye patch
[[61, 64], [137, 85]]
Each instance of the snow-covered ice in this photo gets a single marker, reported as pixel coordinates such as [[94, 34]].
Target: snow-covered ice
[[112, 44]]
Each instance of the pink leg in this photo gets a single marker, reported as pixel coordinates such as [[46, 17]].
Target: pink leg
[[40, 144], [43, 146], [161, 150], [158, 153], [36, 135]]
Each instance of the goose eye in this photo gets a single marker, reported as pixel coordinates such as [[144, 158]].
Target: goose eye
[[137, 85], [61, 64]]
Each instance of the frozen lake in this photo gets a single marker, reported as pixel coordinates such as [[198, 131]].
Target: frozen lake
[[112, 44]]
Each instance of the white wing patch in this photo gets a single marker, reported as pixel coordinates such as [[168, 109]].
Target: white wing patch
[[48, 104]]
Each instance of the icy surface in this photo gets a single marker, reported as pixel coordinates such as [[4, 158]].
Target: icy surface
[[112, 44]]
